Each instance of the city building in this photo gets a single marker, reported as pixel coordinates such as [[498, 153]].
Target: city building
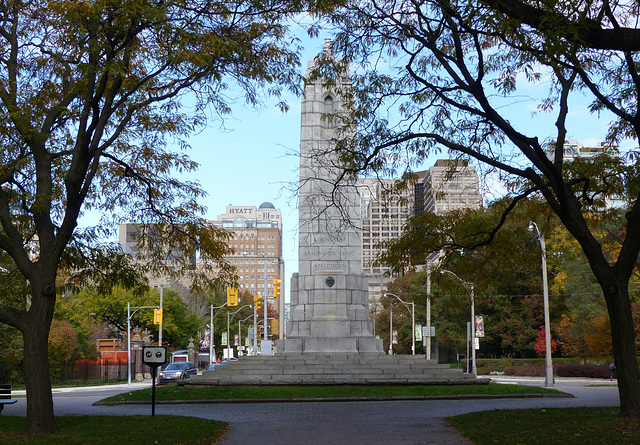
[[451, 184], [573, 150], [129, 236], [448, 185], [256, 239], [383, 216]]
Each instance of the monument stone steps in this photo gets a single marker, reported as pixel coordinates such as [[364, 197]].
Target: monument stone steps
[[332, 369], [330, 337]]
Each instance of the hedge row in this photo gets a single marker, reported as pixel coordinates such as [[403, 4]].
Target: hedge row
[[537, 369]]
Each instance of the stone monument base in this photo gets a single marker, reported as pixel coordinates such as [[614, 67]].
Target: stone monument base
[[334, 369], [319, 345], [329, 315]]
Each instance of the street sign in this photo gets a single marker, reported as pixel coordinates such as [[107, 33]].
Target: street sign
[[428, 331], [154, 356]]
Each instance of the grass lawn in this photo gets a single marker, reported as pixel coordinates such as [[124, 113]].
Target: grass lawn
[[117, 430], [175, 392], [584, 426]]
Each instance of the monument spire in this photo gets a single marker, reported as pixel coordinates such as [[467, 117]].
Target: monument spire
[[329, 298]]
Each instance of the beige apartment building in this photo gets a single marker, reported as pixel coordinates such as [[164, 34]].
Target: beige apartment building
[[128, 236], [256, 241]]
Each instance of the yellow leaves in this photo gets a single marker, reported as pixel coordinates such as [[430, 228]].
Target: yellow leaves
[[584, 336]]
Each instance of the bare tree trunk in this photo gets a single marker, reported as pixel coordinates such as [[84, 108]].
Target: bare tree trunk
[[624, 349], [40, 418]]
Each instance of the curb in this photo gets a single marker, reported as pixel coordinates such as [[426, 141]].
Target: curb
[[339, 399]]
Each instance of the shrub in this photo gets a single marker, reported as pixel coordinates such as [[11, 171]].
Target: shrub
[[530, 370], [577, 370]]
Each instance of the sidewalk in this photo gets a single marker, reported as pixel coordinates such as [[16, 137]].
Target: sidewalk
[[558, 381], [123, 386]]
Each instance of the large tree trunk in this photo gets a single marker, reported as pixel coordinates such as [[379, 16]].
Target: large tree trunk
[[40, 418], [624, 349]]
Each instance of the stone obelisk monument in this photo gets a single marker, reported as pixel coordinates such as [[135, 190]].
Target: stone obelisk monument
[[329, 298]]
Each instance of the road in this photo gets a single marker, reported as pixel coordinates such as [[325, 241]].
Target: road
[[353, 423]]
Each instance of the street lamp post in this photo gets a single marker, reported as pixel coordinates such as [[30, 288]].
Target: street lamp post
[[413, 321], [428, 315], [229, 318], [264, 302], [474, 367], [129, 316], [161, 317], [266, 346], [545, 292], [211, 331], [391, 331], [240, 329]]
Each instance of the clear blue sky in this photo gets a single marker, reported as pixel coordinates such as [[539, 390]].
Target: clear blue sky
[[255, 159]]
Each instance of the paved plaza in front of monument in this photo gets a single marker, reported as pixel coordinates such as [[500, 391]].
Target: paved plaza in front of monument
[[354, 423]]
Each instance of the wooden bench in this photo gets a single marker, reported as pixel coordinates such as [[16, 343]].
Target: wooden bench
[[5, 396]]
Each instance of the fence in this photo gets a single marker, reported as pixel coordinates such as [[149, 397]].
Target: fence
[[103, 370]]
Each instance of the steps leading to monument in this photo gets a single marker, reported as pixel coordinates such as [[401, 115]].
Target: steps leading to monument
[[333, 369]]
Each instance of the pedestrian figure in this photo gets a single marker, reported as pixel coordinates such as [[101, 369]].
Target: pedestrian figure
[[612, 368]]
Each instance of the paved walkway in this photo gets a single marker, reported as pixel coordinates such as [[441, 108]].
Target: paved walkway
[[353, 423]]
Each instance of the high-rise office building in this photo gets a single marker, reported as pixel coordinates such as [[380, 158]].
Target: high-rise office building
[[448, 185], [383, 216], [451, 184]]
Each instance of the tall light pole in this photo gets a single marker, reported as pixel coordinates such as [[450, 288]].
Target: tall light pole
[[413, 320], [265, 301], [390, 331], [428, 339], [129, 316], [211, 331], [474, 367], [229, 318], [545, 292], [161, 317], [265, 345], [240, 329]]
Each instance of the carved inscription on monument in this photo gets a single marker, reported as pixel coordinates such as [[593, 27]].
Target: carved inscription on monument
[[328, 267]]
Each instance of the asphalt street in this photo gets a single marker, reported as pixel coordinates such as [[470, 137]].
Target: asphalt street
[[353, 423]]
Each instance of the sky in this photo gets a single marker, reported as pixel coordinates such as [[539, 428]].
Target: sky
[[254, 158]]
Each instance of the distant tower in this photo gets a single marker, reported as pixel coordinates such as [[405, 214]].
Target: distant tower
[[451, 184], [329, 301]]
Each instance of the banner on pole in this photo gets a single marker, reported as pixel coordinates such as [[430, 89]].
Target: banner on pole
[[479, 326]]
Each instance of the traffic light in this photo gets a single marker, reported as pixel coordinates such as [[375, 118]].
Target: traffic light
[[257, 302], [274, 327], [232, 296], [276, 287], [157, 316]]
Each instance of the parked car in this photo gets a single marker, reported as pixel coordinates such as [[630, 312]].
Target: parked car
[[213, 366], [177, 371]]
